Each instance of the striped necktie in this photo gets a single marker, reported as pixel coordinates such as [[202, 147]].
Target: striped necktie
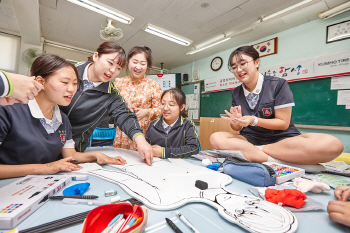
[[252, 100], [87, 84], [167, 129]]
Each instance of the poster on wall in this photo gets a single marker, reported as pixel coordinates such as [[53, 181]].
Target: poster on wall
[[193, 103], [327, 65], [221, 83], [295, 70], [342, 82], [166, 81]]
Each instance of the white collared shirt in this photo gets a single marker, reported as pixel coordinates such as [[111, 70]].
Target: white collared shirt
[[85, 77], [166, 125], [257, 88], [50, 125]]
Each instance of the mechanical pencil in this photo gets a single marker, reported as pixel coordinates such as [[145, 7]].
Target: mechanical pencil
[[73, 201], [74, 196]]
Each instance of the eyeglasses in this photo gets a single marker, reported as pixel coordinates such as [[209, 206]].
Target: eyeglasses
[[243, 65], [163, 105]]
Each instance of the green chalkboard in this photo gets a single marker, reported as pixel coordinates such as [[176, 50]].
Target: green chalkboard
[[215, 103], [315, 104]]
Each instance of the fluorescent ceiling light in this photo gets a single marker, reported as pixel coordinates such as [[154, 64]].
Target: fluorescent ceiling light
[[335, 11], [209, 45], [286, 10], [262, 21], [166, 34], [104, 10], [69, 47]]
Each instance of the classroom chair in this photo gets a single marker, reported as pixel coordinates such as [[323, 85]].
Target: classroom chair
[[103, 134]]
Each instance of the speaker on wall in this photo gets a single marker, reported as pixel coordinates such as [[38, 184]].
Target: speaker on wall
[[185, 77]]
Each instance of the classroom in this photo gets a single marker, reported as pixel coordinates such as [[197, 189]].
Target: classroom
[[174, 116]]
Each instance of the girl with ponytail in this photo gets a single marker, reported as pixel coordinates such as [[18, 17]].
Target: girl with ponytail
[[173, 135]]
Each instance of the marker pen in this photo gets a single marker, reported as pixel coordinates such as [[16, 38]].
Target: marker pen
[[187, 222]]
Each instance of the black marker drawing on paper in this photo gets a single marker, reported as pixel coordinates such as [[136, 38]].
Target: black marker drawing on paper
[[169, 185]]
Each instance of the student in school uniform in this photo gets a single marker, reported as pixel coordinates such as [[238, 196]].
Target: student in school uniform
[[261, 110], [173, 135], [97, 98], [16, 88], [339, 210], [33, 135]]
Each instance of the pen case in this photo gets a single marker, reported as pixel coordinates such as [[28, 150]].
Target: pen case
[[99, 218], [257, 174]]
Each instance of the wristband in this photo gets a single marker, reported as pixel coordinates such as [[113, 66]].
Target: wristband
[[6, 86], [255, 121], [10, 83]]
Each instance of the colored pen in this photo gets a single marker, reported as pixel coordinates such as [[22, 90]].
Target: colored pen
[[115, 219], [73, 201], [116, 227], [137, 220], [173, 226], [113, 223], [187, 222], [129, 224], [74, 196]]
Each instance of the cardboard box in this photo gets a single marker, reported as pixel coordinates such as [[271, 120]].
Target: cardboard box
[[21, 198]]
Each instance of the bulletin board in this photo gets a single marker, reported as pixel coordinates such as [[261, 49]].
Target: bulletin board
[[193, 100]]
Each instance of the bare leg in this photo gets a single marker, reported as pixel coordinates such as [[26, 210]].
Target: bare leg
[[310, 148], [229, 141]]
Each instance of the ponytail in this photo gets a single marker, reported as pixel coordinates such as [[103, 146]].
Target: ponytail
[[179, 97], [111, 47]]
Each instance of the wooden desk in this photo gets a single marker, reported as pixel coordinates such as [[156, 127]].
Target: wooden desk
[[210, 125]]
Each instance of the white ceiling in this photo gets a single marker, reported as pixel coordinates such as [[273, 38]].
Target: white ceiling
[[67, 23]]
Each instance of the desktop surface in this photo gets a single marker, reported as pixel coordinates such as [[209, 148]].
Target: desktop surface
[[203, 217]]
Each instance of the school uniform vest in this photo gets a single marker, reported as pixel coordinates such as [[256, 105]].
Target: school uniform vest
[[275, 93], [25, 140]]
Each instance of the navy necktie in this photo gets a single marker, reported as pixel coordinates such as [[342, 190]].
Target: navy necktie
[[87, 84], [167, 129], [252, 100]]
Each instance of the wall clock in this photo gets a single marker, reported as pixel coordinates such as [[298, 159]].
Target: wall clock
[[216, 63]]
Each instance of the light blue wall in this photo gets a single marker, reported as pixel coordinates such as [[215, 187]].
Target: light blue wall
[[306, 40]]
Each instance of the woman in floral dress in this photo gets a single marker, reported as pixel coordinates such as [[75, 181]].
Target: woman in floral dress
[[141, 94]]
